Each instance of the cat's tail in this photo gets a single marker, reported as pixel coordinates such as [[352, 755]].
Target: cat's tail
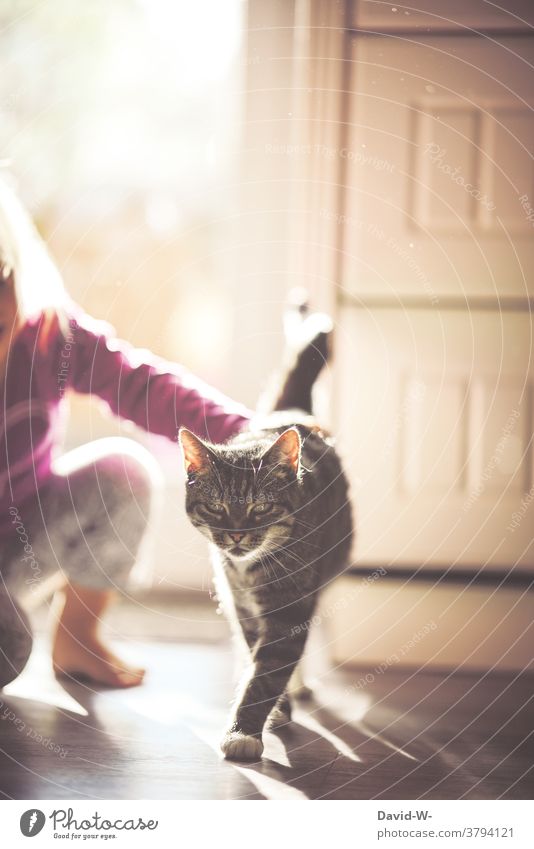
[[309, 345]]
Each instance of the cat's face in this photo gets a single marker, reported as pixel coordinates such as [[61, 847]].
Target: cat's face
[[242, 500]]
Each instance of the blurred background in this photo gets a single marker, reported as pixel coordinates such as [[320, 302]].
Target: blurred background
[[120, 123], [188, 163]]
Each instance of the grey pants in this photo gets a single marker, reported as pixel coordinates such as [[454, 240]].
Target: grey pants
[[86, 525]]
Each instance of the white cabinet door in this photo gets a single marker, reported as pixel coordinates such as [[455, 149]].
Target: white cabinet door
[[434, 350]]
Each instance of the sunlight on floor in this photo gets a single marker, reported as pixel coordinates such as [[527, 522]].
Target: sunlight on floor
[[351, 709], [374, 735], [314, 725], [49, 691], [269, 787], [162, 740]]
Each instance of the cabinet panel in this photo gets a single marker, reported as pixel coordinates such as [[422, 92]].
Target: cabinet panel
[[435, 412], [438, 176]]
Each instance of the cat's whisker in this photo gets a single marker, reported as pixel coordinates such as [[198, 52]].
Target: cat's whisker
[[269, 571], [288, 572], [274, 555], [299, 521], [286, 549], [309, 529], [301, 564], [303, 541], [291, 554]]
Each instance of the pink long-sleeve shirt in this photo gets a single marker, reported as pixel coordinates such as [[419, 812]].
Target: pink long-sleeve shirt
[[86, 357]]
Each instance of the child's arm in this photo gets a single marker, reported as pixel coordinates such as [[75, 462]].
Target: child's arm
[[157, 395]]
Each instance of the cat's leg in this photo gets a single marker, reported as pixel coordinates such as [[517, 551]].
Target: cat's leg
[[247, 628], [274, 658], [296, 690], [297, 687], [280, 715]]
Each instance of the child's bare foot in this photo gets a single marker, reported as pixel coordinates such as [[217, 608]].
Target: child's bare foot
[[78, 650], [92, 660]]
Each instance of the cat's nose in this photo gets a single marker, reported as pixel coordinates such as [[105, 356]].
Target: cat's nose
[[236, 536]]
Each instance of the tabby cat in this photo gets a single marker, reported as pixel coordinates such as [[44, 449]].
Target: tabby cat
[[274, 505]]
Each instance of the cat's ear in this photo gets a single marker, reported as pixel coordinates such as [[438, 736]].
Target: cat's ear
[[287, 449], [196, 455]]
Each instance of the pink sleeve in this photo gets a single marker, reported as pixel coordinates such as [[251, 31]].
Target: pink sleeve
[[157, 395]]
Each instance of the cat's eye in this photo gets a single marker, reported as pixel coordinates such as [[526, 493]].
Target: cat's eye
[[261, 509], [215, 509]]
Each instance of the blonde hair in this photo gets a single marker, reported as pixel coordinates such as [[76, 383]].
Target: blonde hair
[[39, 287]]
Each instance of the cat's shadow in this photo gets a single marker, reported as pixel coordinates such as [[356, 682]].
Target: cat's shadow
[[322, 754], [311, 750]]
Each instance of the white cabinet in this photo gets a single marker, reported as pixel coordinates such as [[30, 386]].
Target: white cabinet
[[436, 277]]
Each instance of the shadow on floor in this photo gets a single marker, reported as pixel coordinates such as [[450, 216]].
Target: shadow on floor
[[407, 737]]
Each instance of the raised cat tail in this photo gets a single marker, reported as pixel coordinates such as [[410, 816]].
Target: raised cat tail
[[309, 344]]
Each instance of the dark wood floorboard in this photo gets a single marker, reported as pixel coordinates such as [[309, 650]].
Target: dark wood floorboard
[[403, 736]]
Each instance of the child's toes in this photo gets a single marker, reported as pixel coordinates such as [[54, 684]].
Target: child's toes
[[130, 677], [114, 672]]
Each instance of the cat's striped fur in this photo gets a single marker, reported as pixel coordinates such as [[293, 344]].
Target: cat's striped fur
[[274, 506]]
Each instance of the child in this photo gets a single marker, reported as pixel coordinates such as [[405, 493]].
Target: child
[[83, 513]]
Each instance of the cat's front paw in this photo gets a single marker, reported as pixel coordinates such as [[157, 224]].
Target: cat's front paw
[[237, 746]]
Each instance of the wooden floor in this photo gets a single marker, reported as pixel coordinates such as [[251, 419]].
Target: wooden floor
[[402, 736]]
